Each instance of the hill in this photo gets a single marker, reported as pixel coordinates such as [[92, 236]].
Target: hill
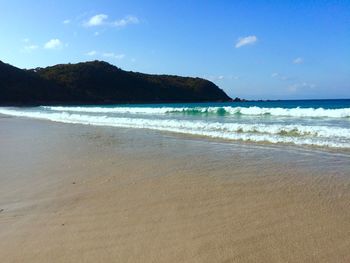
[[19, 86], [98, 82]]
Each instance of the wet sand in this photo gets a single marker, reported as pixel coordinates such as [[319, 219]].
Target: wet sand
[[72, 193]]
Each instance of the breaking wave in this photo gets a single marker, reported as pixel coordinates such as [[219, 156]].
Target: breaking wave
[[220, 111], [299, 134]]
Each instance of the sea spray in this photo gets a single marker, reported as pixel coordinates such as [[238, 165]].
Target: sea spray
[[220, 111], [300, 126]]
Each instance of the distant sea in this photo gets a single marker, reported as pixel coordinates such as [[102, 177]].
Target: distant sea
[[321, 123]]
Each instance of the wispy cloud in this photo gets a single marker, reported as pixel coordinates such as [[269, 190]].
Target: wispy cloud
[[91, 53], [234, 77], [109, 55], [113, 55], [66, 22], [102, 20], [128, 20], [298, 60], [280, 76], [96, 20], [302, 85], [31, 47], [244, 41], [294, 84], [221, 77], [54, 43], [214, 78]]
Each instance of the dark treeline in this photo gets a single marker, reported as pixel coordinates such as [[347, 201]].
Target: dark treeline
[[98, 82]]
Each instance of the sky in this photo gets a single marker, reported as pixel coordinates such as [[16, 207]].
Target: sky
[[250, 49]]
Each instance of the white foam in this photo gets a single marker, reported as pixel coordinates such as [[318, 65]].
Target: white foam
[[275, 133], [132, 110], [293, 112], [254, 111]]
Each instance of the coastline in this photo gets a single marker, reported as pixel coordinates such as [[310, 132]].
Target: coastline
[[121, 103], [77, 193]]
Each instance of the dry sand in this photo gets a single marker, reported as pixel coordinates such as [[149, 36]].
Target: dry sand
[[71, 193]]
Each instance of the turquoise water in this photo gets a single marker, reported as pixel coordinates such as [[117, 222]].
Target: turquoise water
[[326, 104], [322, 123]]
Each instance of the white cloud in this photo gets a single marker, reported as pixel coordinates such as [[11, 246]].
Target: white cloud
[[91, 53], [54, 43], [119, 56], [220, 77], [126, 21], [234, 77], [113, 55], [243, 41], [110, 55], [214, 78], [66, 22], [31, 47], [102, 19], [28, 45], [303, 85], [97, 20], [280, 76], [298, 60]]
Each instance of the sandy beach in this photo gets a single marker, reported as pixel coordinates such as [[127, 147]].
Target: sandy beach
[[75, 193]]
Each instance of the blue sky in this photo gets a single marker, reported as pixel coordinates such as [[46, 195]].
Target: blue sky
[[251, 49]]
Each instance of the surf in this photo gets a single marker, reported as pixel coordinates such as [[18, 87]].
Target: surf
[[218, 111], [297, 134]]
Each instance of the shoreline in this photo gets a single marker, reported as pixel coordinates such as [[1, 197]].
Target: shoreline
[[181, 135], [78, 193]]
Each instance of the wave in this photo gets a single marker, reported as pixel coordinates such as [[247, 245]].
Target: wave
[[336, 137], [219, 111]]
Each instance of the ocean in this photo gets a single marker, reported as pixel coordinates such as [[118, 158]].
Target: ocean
[[310, 123]]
